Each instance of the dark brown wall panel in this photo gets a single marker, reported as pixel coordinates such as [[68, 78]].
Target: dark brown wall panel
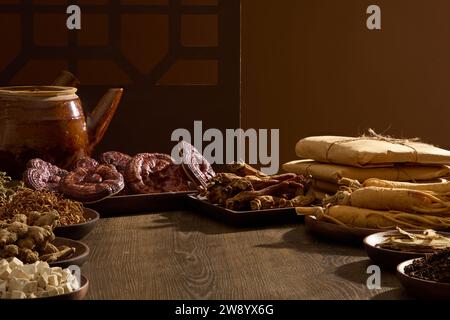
[[312, 67]]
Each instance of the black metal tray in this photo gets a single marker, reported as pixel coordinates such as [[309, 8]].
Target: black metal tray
[[244, 218], [141, 203]]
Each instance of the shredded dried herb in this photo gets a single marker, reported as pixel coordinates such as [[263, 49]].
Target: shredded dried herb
[[8, 187], [16, 199]]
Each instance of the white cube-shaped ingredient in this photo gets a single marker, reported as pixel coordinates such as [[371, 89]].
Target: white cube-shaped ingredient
[[7, 295], [46, 270], [43, 280], [66, 274], [4, 263], [30, 269], [17, 294], [2, 286], [14, 263], [16, 284], [57, 270], [53, 280], [52, 291], [19, 274], [41, 266], [60, 290], [5, 272], [31, 287], [32, 296], [67, 288]]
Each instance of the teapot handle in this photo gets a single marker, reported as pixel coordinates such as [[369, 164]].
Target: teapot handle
[[66, 79]]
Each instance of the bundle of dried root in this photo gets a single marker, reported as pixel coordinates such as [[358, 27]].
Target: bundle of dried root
[[375, 219], [391, 196], [237, 190]]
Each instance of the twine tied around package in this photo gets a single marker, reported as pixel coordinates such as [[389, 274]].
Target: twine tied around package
[[372, 135]]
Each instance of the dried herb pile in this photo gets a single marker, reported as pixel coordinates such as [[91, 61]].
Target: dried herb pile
[[429, 241], [15, 199], [433, 268]]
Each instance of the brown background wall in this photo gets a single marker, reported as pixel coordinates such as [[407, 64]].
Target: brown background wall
[[312, 68], [308, 67]]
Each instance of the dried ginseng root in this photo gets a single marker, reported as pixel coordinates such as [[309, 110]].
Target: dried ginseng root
[[381, 198], [375, 219]]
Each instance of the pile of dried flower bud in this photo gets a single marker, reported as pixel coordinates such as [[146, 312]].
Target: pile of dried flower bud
[[435, 267]]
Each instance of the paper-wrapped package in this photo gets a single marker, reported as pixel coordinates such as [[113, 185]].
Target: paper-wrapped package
[[334, 172], [369, 151], [325, 186]]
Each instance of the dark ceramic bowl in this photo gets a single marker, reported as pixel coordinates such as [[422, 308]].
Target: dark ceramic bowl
[[79, 230], [385, 257], [422, 289], [337, 232], [80, 256], [79, 294]]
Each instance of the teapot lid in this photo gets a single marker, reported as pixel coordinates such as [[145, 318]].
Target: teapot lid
[[37, 91]]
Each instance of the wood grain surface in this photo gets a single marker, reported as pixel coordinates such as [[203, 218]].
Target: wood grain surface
[[183, 255]]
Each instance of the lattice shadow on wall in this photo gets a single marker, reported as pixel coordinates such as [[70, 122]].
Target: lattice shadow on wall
[[179, 60]]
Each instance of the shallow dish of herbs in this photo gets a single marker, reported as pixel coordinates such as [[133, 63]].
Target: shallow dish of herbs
[[427, 277], [389, 248]]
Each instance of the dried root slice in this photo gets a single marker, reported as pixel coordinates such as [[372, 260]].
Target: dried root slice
[[243, 199], [242, 169], [92, 185], [42, 175], [271, 202], [63, 252]]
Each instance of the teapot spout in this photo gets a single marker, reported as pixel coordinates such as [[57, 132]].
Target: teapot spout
[[100, 118]]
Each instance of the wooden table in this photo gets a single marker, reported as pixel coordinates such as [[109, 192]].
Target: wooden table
[[183, 255]]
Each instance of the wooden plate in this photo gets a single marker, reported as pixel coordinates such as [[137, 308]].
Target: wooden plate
[[245, 218], [422, 289], [136, 203], [79, 230], [386, 257], [79, 257], [79, 294], [336, 231]]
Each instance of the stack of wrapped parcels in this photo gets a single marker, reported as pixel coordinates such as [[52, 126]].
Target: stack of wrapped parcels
[[329, 158]]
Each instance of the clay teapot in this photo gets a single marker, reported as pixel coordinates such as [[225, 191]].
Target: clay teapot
[[48, 122]]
